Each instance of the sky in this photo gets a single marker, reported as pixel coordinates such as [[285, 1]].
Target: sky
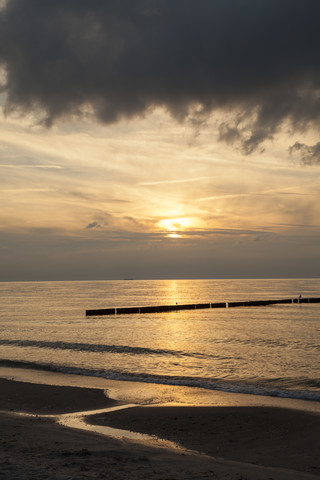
[[159, 139]]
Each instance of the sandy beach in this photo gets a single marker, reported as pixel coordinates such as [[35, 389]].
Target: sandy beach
[[221, 442]]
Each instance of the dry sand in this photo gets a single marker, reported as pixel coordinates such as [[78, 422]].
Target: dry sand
[[247, 443]]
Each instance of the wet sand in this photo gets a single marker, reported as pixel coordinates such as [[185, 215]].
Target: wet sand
[[49, 399], [238, 442], [276, 437]]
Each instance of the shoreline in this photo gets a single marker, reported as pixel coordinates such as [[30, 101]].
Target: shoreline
[[238, 436], [145, 393]]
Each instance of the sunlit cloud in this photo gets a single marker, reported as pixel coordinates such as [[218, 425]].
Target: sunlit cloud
[[168, 182], [27, 190], [258, 193], [31, 166], [173, 224]]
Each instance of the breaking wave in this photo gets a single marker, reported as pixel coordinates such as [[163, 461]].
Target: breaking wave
[[301, 388]]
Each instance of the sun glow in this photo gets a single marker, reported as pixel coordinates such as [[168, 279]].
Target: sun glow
[[175, 226]]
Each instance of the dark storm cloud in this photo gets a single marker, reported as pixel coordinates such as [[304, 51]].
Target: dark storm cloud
[[259, 59]]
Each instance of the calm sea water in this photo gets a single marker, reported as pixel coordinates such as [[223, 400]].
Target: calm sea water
[[271, 350]]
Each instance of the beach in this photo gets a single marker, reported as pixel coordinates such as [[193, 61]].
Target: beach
[[220, 441], [229, 394]]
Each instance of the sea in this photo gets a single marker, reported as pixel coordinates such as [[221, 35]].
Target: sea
[[269, 350]]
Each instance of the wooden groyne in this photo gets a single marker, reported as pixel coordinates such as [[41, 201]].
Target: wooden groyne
[[196, 306]]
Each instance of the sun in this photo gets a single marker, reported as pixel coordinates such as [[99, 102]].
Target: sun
[[175, 226], [174, 235]]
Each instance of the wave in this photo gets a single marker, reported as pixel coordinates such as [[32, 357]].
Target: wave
[[130, 350], [100, 348], [301, 388]]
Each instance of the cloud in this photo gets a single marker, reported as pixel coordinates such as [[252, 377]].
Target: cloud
[[41, 255], [31, 166], [309, 154], [256, 61], [93, 225], [24, 190], [269, 192], [167, 182], [213, 232]]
